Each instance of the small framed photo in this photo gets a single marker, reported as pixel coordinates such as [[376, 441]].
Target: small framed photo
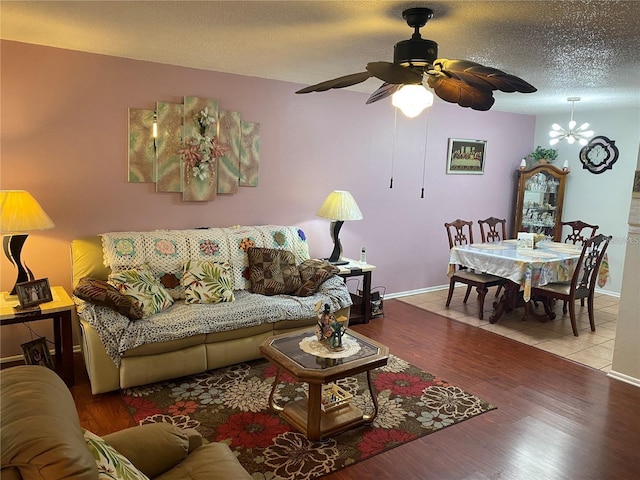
[[34, 292], [466, 156], [37, 353]]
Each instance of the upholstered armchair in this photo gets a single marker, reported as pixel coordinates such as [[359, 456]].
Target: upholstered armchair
[[42, 438]]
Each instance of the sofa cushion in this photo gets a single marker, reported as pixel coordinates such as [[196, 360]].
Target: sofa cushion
[[142, 287], [101, 292], [273, 271], [313, 273], [111, 464], [207, 282]]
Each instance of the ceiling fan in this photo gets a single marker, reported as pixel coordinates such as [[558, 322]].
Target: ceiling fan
[[415, 62]]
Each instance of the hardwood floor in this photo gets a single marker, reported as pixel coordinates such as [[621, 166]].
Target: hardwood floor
[[556, 419]]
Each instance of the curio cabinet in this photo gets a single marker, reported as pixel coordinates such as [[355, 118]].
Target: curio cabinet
[[539, 199]]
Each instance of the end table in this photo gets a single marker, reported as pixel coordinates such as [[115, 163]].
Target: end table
[[356, 269], [59, 310]]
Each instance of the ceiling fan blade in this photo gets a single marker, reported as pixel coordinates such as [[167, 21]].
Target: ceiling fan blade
[[478, 75], [456, 91], [394, 73], [384, 91], [339, 82]]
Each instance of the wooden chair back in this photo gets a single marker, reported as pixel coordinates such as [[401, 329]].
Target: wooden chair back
[[583, 282], [459, 232], [489, 229], [577, 226]]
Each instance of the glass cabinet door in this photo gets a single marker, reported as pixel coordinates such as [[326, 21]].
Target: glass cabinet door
[[539, 200]]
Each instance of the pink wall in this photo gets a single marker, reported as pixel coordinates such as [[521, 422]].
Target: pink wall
[[64, 139]]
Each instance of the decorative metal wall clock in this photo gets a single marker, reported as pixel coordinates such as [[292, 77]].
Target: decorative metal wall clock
[[599, 154]]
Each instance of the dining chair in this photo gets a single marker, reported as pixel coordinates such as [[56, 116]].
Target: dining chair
[[576, 237], [489, 229], [490, 233], [582, 285], [577, 227], [460, 232]]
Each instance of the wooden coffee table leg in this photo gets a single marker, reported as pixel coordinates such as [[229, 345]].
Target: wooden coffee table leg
[[272, 404], [369, 418], [314, 411]]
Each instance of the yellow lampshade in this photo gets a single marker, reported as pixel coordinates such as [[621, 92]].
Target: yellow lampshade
[[340, 205], [20, 212]]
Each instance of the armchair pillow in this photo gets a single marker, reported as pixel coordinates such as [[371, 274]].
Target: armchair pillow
[[207, 282], [155, 448], [102, 293], [273, 271], [111, 464], [144, 290]]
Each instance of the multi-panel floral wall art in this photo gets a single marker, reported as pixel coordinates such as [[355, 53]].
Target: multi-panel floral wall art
[[194, 148]]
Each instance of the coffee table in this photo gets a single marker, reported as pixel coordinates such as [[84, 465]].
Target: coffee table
[[306, 415]]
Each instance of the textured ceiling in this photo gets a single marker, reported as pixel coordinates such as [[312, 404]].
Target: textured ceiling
[[565, 48]]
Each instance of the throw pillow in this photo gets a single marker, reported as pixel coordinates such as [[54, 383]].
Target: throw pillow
[[207, 282], [144, 290], [112, 465], [102, 293], [312, 273], [273, 271]]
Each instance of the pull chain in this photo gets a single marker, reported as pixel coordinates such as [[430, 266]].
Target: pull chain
[[393, 145], [424, 164]]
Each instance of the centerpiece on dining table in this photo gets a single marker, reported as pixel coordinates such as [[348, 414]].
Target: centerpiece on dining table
[[530, 240]]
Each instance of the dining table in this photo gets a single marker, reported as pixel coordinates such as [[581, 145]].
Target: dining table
[[522, 268]]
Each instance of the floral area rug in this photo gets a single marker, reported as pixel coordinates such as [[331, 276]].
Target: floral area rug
[[231, 405]]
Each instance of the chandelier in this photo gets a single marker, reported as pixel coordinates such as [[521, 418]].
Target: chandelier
[[573, 134]]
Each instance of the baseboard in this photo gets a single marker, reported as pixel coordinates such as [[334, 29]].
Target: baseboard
[[408, 293], [17, 358], [446, 287], [624, 378]]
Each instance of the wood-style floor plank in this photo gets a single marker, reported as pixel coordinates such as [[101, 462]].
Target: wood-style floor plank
[[555, 420]]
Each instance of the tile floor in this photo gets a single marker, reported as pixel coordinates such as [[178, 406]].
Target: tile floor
[[594, 349]]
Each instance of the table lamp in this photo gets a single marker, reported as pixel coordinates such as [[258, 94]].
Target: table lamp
[[338, 207], [19, 213]]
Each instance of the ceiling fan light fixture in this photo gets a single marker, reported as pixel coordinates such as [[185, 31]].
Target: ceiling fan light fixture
[[412, 100]]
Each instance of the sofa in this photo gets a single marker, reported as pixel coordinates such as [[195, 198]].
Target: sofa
[[191, 336], [42, 438]]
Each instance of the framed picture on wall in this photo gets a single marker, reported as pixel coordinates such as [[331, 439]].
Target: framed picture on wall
[[466, 156]]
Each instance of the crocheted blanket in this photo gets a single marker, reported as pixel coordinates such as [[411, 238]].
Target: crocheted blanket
[[166, 251], [119, 334]]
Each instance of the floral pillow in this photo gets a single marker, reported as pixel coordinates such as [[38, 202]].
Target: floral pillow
[[143, 289], [313, 273], [102, 293], [207, 282], [273, 271], [112, 465]]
